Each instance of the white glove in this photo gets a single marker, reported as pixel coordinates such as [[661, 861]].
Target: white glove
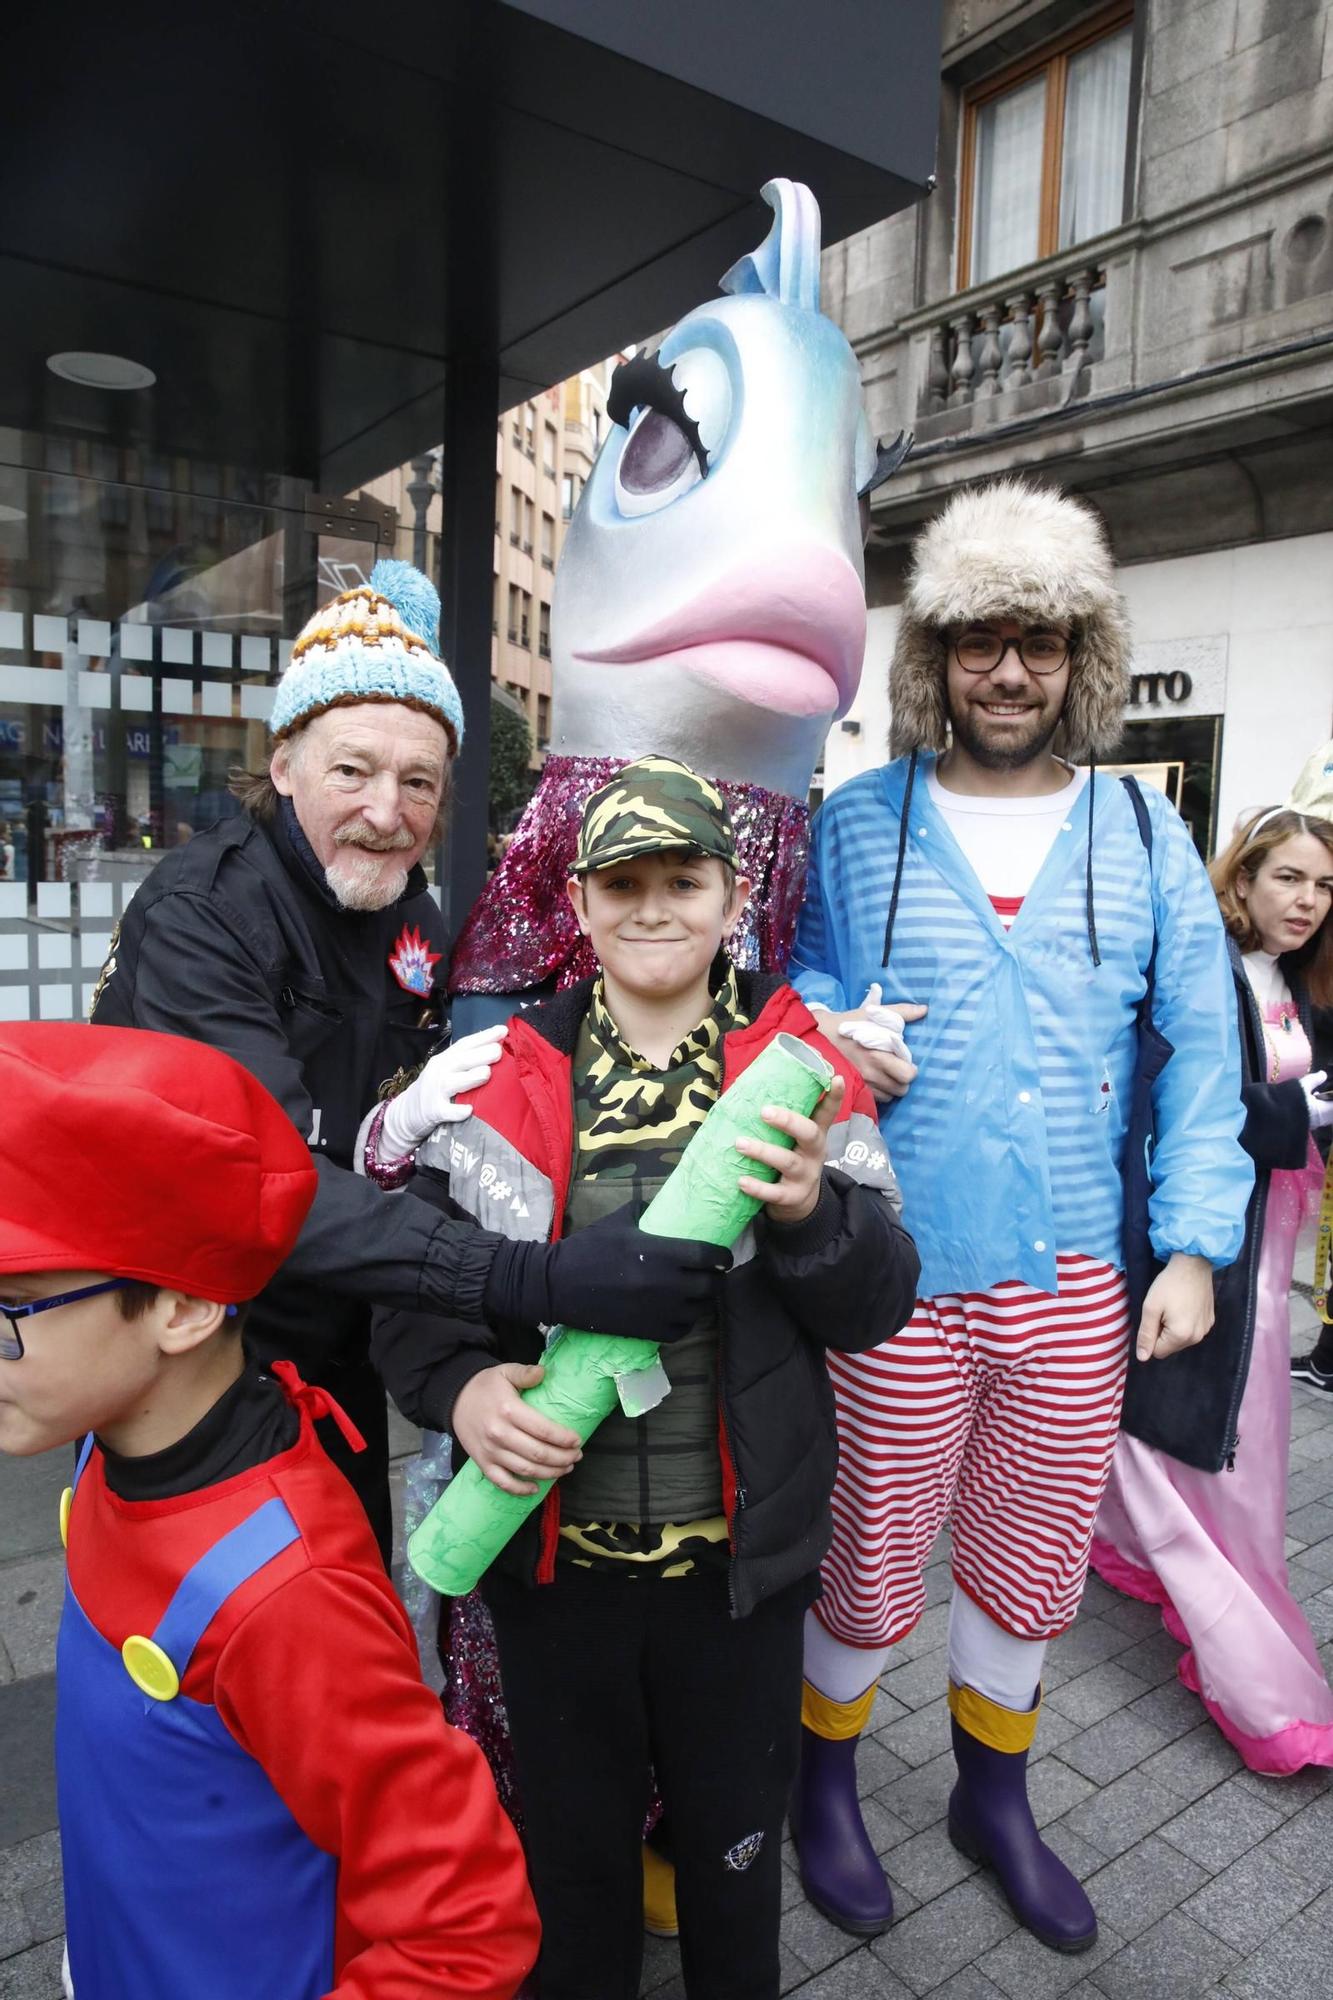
[[428, 1103], [1319, 1108], [881, 1030]]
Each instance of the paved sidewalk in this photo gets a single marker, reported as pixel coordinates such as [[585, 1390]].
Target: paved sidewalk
[[1206, 1878]]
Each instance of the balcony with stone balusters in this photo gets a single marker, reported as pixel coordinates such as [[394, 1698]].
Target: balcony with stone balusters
[[1033, 340]]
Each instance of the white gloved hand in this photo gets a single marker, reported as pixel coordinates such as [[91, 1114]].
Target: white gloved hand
[[428, 1103], [1319, 1108], [881, 1029]]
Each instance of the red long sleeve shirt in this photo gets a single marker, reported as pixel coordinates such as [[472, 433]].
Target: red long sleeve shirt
[[312, 1667]]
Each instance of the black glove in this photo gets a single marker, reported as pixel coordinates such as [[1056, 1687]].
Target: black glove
[[612, 1278]]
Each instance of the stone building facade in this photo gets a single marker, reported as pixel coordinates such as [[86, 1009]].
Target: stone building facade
[[1123, 281]]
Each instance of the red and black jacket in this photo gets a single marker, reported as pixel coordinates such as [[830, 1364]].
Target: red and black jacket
[[845, 1278]]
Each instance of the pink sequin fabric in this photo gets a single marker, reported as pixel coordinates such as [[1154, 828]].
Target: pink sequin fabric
[[521, 930], [473, 1697]]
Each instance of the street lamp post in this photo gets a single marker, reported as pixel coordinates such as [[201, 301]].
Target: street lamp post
[[419, 490]]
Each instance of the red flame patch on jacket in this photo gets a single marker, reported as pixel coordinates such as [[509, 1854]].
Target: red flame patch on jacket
[[413, 963]]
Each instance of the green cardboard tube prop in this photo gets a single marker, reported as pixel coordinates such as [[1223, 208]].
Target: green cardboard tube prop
[[585, 1372]]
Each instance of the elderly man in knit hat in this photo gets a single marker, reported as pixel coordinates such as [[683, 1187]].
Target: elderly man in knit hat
[[301, 938], [1021, 906]]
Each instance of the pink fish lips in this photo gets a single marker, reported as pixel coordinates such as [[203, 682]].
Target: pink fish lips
[[788, 634]]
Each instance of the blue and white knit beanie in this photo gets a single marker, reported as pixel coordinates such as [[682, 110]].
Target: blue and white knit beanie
[[379, 642]]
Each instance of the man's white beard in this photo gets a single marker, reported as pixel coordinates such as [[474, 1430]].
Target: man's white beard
[[359, 883]]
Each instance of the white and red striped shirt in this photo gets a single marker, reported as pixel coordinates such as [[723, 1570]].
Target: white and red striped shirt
[[1006, 840]]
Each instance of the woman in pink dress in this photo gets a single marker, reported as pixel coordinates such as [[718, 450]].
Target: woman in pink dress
[[1209, 1546]]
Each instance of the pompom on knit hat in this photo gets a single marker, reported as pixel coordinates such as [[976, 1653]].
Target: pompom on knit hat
[[379, 642], [1012, 550]]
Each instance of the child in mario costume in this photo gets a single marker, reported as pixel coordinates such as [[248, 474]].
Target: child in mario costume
[[257, 1794]]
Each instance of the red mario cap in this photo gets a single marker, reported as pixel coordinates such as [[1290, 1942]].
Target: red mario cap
[[146, 1156]]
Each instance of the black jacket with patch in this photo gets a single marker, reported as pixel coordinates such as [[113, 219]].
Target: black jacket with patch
[[230, 941]]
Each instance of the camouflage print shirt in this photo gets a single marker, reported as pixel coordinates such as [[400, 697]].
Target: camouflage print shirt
[[646, 1498]]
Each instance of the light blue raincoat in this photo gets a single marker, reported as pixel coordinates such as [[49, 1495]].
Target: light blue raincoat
[[1008, 1144]]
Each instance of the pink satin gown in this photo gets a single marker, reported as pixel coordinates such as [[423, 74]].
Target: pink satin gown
[[1209, 1546]]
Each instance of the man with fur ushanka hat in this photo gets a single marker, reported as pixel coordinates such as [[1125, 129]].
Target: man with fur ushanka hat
[[1015, 900], [301, 938]]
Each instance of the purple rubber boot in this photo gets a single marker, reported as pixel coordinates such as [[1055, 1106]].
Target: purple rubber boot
[[840, 1870], [991, 1821]]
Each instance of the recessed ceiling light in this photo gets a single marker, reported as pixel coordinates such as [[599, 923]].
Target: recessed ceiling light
[[101, 371]]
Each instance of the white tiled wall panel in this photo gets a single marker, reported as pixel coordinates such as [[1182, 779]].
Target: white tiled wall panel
[[95, 690], [136, 642], [50, 635], [94, 637], [37, 684], [40, 949]]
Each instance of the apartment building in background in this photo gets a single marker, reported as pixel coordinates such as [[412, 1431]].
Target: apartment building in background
[[544, 451], [1123, 282]]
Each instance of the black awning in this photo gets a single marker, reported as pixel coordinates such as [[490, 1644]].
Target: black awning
[[296, 215]]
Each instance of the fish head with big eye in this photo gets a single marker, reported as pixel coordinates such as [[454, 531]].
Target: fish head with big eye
[[709, 602], [675, 418]]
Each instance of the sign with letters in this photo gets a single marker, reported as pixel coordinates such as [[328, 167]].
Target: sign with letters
[[1178, 677]]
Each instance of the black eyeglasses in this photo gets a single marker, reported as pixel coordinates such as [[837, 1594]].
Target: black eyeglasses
[[981, 652], [11, 1343]]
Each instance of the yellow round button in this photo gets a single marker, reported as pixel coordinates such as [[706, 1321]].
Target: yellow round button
[[150, 1668], [66, 1502]]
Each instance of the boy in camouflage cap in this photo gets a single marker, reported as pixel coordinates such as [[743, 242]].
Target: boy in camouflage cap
[[683, 1547], [650, 806]]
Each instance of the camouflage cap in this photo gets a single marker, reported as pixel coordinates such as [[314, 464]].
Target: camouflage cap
[[652, 805]]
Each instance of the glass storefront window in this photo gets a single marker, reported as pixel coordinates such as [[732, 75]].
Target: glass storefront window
[[1182, 756], [146, 612]]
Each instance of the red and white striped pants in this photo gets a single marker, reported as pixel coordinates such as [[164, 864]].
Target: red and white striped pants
[[999, 1409]]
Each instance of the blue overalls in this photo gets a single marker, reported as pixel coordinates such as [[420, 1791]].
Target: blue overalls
[[186, 1877]]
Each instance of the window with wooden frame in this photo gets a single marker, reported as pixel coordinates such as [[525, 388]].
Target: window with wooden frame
[[1043, 154]]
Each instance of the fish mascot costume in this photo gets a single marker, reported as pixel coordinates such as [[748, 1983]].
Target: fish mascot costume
[[709, 606]]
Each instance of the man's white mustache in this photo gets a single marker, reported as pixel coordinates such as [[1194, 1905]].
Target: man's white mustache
[[358, 835]]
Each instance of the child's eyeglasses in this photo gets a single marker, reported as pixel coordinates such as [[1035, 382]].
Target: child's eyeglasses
[[11, 1341]]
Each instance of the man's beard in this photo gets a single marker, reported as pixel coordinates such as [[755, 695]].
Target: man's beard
[[358, 880], [1011, 753]]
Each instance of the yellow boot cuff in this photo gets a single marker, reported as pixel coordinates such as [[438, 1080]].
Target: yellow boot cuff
[[999, 1728], [659, 1895], [835, 1721]]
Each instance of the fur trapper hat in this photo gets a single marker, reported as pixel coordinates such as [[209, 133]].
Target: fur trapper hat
[[1011, 550]]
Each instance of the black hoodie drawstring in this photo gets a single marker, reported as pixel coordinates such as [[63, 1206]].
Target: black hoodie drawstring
[[1092, 914], [902, 852]]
